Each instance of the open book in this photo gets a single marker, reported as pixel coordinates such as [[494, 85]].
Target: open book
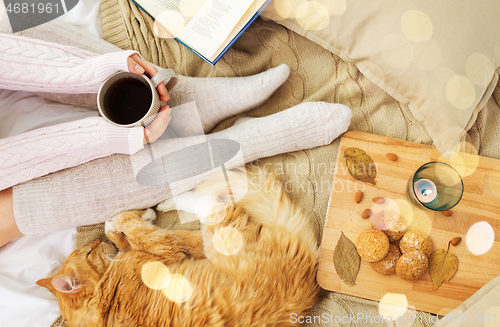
[[207, 27]]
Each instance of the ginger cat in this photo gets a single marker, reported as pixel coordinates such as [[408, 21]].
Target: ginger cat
[[252, 264]]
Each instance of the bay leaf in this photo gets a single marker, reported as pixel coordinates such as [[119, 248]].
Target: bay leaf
[[443, 265], [346, 260], [360, 165]]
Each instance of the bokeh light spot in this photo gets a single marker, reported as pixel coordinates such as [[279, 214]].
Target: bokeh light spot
[[460, 92], [189, 8], [446, 175], [179, 289], [283, 8], [334, 7], [227, 240], [312, 16], [480, 238], [405, 211], [463, 157], [422, 220], [168, 24], [392, 208], [287, 8], [393, 305], [479, 69], [207, 209], [397, 51], [387, 205], [155, 275], [384, 220], [416, 26]]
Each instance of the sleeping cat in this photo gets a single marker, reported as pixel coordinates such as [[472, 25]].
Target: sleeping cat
[[252, 264]]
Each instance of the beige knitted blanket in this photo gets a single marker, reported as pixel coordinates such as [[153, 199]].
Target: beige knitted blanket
[[316, 75]]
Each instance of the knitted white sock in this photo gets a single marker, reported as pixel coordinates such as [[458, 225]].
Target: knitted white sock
[[222, 97], [305, 126], [95, 191]]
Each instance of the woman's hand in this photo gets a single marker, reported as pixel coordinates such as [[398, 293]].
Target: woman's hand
[[153, 131], [157, 126]]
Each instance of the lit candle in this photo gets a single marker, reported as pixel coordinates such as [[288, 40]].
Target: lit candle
[[425, 190]]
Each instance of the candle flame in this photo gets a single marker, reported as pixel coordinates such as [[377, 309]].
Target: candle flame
[[426, 192]]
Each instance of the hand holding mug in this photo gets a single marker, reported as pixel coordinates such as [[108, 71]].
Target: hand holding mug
[[132, 99], [158, 126], [140, 66]]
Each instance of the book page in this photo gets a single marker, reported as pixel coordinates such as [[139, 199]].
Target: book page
[[250, 13], [213, 23], [171, 4]]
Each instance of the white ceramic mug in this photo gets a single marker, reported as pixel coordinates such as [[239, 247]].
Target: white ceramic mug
[[124, 112]]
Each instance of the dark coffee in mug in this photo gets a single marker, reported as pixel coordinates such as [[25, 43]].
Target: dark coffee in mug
[[127, 100], [130, 100]]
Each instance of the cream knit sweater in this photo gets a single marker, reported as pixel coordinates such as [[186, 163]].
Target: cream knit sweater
[[37, 66]]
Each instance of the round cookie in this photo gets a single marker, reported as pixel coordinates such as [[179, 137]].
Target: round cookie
[[387, 266], [373, 245], [396, 233], [390, 223], [412, 265], [416, 240]]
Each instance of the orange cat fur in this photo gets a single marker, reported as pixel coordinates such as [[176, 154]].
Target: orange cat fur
[[265, 274]]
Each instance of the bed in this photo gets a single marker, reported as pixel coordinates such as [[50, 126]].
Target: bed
[[392, 64]]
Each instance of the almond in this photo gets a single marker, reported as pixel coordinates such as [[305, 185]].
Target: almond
[[455, 241], [366, 214], [392, 157], [378, 200], [358, 196], [447, 213]]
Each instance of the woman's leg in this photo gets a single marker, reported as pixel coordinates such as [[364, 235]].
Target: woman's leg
[[8, 226], [218, 98], [96, 191]]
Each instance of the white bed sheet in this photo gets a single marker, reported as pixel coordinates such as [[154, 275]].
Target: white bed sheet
[[29, 258], [22, 263]]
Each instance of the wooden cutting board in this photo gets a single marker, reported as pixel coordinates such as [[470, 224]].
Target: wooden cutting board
[[477, 213]]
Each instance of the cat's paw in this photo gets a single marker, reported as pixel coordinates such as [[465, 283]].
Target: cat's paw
[[115, 236], [183, 202], [127, 221], [149, 215], [167, 205], [109, 225]]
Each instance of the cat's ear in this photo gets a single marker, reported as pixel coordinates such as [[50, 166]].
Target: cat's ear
[[47, 283], [65, 284]]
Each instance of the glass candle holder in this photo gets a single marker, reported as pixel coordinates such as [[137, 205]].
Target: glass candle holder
[[435, 186]]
